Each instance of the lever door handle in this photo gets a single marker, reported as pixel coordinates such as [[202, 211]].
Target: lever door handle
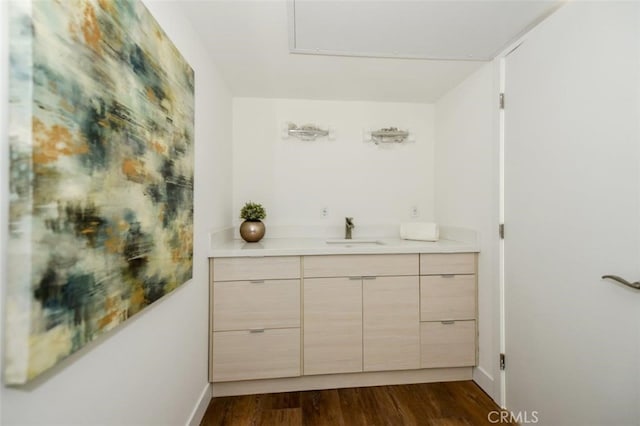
[[635, 285]]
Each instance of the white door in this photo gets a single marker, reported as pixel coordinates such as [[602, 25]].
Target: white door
[[572, 215]]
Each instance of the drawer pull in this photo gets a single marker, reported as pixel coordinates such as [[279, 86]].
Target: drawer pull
[[368, 278], [355, 278], [256, 330], [257, 281], [449, 322], [447, 275]]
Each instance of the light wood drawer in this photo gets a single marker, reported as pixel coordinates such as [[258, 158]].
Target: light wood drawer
[[243, 355], [255, 268], [448, 345], [450, 263], [242, 305], [447, 297], [357, 265]]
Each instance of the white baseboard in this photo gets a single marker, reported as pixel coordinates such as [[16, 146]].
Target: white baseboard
[[201, 407], [485, 381]]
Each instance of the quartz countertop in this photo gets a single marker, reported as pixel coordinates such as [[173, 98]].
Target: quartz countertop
[[319, 246]]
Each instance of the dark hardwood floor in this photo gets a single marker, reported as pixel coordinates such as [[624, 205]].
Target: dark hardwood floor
[[440, 404]]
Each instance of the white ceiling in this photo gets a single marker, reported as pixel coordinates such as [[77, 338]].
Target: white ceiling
[[250, 43]]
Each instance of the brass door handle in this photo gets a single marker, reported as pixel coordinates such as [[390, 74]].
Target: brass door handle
[[635, 285]]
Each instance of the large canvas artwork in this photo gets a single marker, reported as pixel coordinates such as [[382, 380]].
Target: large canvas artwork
[[101, 175]]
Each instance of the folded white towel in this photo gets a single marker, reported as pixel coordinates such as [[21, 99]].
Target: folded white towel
[[421, 231]]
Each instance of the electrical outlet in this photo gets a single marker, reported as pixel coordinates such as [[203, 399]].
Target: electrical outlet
[[414, 211], [324, 212]]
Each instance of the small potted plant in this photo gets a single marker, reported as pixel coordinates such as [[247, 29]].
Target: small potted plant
[[252, 229]]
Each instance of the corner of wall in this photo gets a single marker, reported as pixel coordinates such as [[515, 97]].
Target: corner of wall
[[201, 406], [467, 193]]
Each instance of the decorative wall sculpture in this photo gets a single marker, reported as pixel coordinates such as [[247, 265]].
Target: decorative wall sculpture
[[101, 175]]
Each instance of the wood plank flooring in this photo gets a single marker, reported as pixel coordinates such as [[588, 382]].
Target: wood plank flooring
[[438, 404]]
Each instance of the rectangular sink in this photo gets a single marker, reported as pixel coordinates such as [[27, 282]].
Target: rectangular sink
[[355, 242]]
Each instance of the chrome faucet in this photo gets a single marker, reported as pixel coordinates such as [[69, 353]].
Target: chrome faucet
[[348, 226]]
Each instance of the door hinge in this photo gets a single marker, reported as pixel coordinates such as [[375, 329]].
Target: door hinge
[[502, 362], [501, 231], [501, 100]]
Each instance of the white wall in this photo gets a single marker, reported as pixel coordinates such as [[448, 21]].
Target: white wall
[[153, 369], [466, 191], [295, 179]]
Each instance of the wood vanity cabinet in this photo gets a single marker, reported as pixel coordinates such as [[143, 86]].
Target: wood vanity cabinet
[[448, 310], [255, 318], [289, 316], [361, 313]]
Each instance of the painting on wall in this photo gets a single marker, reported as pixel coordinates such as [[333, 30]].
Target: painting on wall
[[101, 175]]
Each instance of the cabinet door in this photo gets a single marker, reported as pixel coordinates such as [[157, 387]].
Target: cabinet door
[[332, 325], [255, 268], [448, 344], [243, 305], [448, 297], [358, 265], [447, 263], [257, 354], [391, 318]]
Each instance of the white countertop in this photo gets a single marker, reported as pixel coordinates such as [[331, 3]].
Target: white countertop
[[319, 246]]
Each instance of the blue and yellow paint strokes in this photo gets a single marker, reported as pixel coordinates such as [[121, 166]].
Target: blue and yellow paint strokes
[[101, 175]]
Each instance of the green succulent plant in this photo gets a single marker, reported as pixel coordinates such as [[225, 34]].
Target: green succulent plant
[[253, 211]]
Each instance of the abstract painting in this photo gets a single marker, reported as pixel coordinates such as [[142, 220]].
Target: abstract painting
[[101, 175]]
